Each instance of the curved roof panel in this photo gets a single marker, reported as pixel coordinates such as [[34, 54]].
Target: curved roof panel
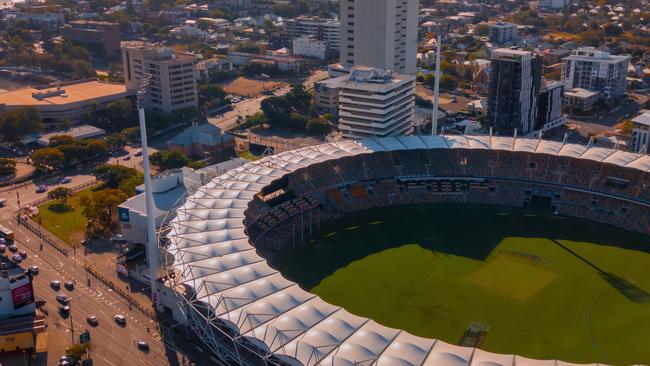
[[215, 259]]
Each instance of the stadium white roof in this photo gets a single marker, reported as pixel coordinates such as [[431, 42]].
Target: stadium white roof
[[213, 255]]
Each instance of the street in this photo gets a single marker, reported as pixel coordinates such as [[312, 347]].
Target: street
[[27, 190], [111, 343]]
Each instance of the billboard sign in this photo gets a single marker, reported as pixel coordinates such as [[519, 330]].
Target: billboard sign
[[22, 294], [123, 214]]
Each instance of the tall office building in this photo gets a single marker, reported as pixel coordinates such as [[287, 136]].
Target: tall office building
[[100, 38], [591, 69], [379, 33], [375, 102], [515, 81], [173, 81], [549, 106]]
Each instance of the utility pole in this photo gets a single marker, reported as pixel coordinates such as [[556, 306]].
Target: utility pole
[[71, 323], [152, 240]]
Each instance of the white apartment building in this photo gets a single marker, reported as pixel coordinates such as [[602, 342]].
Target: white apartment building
[[173, 82], [328, 30], [502, 32], [326, 95], [310, 47], [641, 133], [580, 99], [598, 71], [552, 4], [375, 102], [379, 33]]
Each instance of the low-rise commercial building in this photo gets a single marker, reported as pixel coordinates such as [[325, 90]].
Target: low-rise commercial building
[[72, 100], [580, 99], [203, 141], [310, 47], [375, 102], [502, 32], [169, 190], [102, 39], [641, 133], [326, 96]]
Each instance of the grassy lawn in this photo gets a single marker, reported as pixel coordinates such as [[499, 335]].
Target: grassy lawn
[[69, 226], [248, 155], [541, 286]]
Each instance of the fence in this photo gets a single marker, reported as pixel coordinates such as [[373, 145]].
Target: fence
[[74, 189], [45, 237], [149, 312]]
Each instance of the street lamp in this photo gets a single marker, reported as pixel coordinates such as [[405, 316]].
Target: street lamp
[[436, 88], [152, 245]]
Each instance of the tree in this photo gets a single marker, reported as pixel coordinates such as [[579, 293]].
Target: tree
[[7, 167], [58, 140], [116, 141], [60, 193], [113, 175], [78, 351], [318, 126], [48, 159], [17, 123], [276, 110], [448, 82], [120, 113], [298, 97], [132, 134], [169, 159], [99, 208]]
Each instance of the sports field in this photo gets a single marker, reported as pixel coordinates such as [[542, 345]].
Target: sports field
[[535, 285]]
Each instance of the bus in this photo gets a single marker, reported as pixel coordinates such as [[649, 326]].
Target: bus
[[6, 233]]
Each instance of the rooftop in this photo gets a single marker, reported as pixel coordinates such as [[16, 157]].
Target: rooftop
[[205, 134], [580, 93], [643, 118], [61, 95]]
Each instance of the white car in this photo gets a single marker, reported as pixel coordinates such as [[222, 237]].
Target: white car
[[120, 319]]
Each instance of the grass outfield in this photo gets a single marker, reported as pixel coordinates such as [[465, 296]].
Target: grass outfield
[[68, 226], [544, 286]]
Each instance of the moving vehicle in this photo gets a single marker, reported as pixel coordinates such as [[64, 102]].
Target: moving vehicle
[[65, 180], [138, 153], [69, 285], [6, 233], [120, 319], [127, 158], [41, 189], [33, 270], [55, 284]]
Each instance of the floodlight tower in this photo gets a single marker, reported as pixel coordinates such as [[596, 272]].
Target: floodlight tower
[[152, 240], [436, 89]]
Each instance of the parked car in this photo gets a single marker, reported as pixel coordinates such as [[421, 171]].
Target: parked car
[[65, 180], [69, 285], [127, 158], [41, 189], [92, 320], [22, 254], [13, 247], [5, 265], [120, 319], [138, 153], [33, 270], [64, 310], [16, 258], [62, 298], [143, 346], [3, 247], [55, 284]]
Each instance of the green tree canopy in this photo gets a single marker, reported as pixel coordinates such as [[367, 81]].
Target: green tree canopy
[[48, 159], [113, 175], [169, 159]]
